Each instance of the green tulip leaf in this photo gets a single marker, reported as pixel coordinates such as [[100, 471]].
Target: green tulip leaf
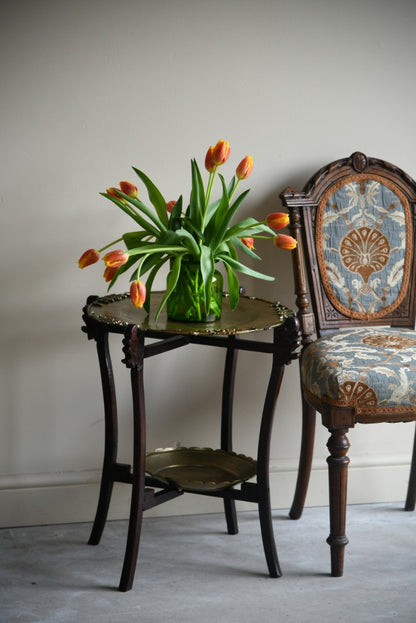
[[150, 280], [233, 287], [175, 216], [221, 229], [136, 203], [134, 215], [133, 239], [197, 200], [235, 265], [189, 241], [171, 281], [207, 271], [237, 242], [155, 196], [154, 247]]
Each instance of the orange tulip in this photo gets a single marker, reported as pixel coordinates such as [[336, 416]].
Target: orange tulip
[[115, 259], [277, 220], [245, 168], [114, 192], [170, 205], [221, 152], [285, 242], [138, 293], [129, 189], [109, 273], [88, 257], [249, 242], [209, 160]]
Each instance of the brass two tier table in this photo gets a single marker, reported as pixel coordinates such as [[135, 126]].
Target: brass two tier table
[[162, 475]]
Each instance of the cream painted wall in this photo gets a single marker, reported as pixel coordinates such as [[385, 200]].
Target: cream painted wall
[[90, 88]]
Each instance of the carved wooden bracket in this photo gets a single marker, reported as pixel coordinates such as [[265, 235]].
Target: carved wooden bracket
[[288, 336], [133, 347]]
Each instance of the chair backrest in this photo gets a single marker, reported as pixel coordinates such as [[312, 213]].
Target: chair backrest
[[354, 223]]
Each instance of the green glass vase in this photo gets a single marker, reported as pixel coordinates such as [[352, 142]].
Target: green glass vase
[[187, 301]]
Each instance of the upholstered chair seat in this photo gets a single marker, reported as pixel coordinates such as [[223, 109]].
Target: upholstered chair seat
[[371, 369]]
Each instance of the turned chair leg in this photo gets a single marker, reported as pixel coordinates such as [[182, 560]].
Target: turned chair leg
[[338, 446], [411, 489], [305, 460]]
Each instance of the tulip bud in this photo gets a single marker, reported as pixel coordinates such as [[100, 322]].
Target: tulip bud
[[209, 161], [245, 168], [170, 205], [115, 259], [129, 189], [114, 192], [88, 257], [109, 273], [285, 242], [277, 220], [138, 293], [221, 152], [249, 242]]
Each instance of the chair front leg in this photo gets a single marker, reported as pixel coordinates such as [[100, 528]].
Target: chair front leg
[[338, 446], [305, 459]]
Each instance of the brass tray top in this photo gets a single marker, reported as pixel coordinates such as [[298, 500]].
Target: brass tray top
[[199, 469], [251, 314]]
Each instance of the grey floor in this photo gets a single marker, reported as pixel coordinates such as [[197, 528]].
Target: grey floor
[[190, 570]]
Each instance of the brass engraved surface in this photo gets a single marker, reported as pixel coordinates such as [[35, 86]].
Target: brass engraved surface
[[251, 314]]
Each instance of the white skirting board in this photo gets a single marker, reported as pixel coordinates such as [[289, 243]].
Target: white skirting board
[[72, 496]]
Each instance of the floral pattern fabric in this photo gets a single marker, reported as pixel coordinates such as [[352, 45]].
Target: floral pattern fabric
[[370, 369], [364, 247]]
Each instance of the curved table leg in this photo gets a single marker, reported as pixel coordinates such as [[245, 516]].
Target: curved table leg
[[305, 460], [110, 444], [263, 458], [134, 350]]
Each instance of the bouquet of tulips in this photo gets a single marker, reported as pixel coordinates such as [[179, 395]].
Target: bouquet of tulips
[[203, 232]]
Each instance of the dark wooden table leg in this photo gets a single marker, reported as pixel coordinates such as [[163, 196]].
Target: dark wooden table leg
[[226, 426], [305, 460], [134, 350], [263, 459], [286, 340], [110, 444]]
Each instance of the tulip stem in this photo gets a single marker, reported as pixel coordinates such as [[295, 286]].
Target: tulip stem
[[234, 189], [209, 187], [136, 274], [110, 244]]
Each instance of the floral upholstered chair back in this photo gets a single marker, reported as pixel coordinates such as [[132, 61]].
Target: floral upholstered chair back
[[364, 246], [359, 238]]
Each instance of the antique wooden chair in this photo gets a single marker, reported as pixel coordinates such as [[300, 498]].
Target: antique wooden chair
[[355, 226]]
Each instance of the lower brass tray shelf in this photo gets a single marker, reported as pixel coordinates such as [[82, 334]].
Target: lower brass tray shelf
[[200, 469]]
